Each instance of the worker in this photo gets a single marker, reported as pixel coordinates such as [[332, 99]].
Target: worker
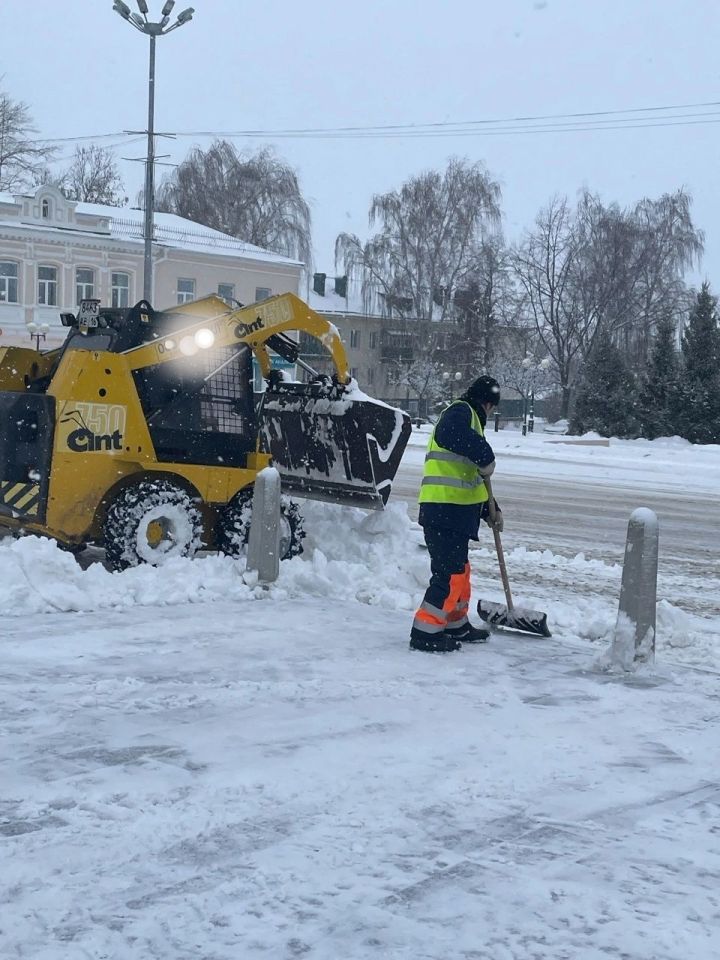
[[453, 500]]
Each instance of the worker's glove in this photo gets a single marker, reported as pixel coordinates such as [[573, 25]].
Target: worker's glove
[[498, 524], [488, 470]]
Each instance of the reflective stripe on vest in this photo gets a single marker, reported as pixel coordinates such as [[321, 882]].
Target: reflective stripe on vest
[[449, 477]]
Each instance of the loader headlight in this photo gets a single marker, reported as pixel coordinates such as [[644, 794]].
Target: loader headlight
[[188, 347], [204, 338]]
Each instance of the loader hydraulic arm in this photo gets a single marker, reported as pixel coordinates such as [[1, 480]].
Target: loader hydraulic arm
[[215, 325]]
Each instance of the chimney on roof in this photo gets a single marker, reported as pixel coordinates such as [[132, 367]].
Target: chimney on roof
[[319, 283], [341, 286]]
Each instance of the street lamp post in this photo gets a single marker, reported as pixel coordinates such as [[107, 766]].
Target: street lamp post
[[38, 332], [536, 370], [450, 379], [153, 30]]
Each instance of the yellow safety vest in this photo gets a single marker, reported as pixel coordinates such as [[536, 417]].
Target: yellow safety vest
[[449, 477]]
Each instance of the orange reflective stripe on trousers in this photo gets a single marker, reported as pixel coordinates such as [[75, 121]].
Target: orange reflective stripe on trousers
[[431, 619]]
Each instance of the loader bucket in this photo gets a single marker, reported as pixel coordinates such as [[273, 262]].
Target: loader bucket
[[331, 443]]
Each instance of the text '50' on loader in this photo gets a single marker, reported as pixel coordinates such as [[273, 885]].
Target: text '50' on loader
[[142, 434]]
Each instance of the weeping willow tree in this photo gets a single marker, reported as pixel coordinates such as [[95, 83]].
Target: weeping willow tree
[[430, 237], [255, 197]]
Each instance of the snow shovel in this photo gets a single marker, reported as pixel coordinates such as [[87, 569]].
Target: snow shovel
[[509, 617]]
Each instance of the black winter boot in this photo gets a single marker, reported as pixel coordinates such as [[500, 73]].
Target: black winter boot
[[433, 642], [469, 634]]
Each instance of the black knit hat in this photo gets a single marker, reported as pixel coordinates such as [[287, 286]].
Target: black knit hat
[[483, 390]]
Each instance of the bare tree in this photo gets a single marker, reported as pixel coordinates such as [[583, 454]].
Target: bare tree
[[545, 265], [431, 232], [93, 177], [486, 308], [255, 197], [21, 157], [598, 274], [424, 377], [630, 267]]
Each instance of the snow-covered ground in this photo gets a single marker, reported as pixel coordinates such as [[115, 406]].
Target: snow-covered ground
[[194, 767]]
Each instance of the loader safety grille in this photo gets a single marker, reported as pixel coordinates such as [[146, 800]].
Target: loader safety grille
[[218, 399], [20, 498], [200, 409]]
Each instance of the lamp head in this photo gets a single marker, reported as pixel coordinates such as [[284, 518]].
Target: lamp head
[[122, 8]]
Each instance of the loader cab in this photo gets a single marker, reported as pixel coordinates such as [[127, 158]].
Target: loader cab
[[113, 329], [202, 410], [198, 410]]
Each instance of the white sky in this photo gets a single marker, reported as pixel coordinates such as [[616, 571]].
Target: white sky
[[279, 64]]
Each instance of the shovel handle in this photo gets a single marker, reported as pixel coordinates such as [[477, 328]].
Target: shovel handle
[[498, 545]]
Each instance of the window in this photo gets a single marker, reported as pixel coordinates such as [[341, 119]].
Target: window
[[226, 291], [262, 293], [8, 281], [373, 340], [47, 286], [84, 284], [371, 375], [185, 290], [120, 289], [45, 209], [354, 338]]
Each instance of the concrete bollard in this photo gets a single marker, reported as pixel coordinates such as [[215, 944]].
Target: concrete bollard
[[634, 639], [263, 552]]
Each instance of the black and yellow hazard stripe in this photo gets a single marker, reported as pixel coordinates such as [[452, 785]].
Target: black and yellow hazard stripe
[[21, 498]]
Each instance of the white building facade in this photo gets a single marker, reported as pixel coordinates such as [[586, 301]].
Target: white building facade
[[55, 252]]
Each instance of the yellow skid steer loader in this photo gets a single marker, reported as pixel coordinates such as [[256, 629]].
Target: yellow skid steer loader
[[142, 433]]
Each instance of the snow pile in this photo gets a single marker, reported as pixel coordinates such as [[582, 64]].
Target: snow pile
[[349, 555], [36, 576]]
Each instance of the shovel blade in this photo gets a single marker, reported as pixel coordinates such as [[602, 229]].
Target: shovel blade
[[522, 620]]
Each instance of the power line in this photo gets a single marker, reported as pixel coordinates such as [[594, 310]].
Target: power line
[[91, 136], [110, 146], [445, 124], [429, 134], [625, 119]]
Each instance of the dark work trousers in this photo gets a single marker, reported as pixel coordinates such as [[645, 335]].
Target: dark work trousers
[[446, 600]]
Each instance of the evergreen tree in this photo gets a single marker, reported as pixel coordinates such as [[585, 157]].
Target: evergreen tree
[[606, 400], [699, 413], [658, 406]]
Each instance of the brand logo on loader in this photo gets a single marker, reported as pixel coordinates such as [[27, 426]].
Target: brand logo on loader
[[243, 329], [92, 427]]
